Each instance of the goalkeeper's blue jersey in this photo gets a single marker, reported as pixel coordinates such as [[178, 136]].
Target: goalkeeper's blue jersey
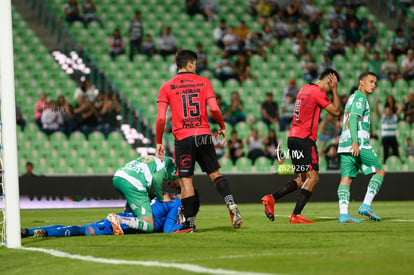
[[166, 215]]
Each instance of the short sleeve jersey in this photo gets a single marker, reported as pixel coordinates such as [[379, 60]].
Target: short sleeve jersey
[[187, 95], [357, 105], [309, 102], [145, 166]]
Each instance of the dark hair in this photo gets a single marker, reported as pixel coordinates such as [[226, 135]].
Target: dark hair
[[269, 94], [353, 90], [365, 74], [183, 57], [29, 163], [329, 71]]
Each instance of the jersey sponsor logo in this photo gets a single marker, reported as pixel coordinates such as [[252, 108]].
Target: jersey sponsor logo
[[358, 105], [186, 80], [172, 87], [192, 85], [191, 91], [189, 123], [185, 161]]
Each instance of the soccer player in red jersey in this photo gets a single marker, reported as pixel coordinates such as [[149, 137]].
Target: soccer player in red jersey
[[188, 95], [302, 142]]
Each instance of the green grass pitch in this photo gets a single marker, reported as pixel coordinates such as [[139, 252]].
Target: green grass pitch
[[326, 247]]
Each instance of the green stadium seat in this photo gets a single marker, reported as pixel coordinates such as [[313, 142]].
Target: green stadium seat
[[393, 163], [404, 129], [243, 164], [226, 164], [263, 164], [242, 129]]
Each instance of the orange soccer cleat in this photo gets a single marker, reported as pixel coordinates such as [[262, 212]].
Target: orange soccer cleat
[[299, 219], [269, 203]]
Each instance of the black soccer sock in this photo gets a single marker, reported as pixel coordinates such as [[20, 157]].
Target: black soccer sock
[[286, 189], [222, 186], [191, 205], [303, 198]]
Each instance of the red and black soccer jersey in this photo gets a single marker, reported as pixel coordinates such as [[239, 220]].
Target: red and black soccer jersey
[[309, 102], [187, 95]]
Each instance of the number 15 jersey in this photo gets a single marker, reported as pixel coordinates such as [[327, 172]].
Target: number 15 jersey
[[309, 102], [187, 95]]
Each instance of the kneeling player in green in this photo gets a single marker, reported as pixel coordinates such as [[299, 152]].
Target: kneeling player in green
[[356, 152], [134, 181]]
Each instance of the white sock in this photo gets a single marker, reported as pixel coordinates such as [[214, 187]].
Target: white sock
[[369, 196], [343, 196], [130, 222], [343, 207]]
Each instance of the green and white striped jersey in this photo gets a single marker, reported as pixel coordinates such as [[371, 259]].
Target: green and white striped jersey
[[357, 104], [389, 126], [146, 171]]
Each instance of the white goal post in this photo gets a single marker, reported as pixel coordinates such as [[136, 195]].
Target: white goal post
[[8, 131]]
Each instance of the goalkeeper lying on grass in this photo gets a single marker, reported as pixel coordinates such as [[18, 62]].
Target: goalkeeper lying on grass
[[165, 214], [134, 180]]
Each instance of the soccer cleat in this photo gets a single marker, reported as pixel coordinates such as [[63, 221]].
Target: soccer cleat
[[346, 218], [299, 219], [40, 233], [236, 218], [116, 226], [269, 203], [24, 232], [366, 210], [187, 230]]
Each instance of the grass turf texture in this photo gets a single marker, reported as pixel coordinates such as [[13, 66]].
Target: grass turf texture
[[325, 247]]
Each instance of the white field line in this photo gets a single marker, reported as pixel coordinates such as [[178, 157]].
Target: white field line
[[253, 255], [327, 217], [182, 266]]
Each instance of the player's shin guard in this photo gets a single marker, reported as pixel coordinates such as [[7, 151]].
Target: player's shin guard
[[222, 186], [191, 205], [286, 189], [373, 188], [303, 198], [343, 197]]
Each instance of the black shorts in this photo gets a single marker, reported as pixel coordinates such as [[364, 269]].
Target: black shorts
[[304, 154], [195, 148]]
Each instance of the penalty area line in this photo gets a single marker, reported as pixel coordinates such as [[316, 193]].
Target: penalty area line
[[183, 266]]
